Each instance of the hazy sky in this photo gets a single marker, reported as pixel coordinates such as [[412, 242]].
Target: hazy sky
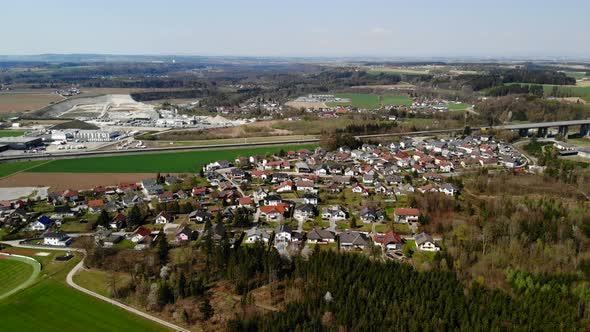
[[298, 28]]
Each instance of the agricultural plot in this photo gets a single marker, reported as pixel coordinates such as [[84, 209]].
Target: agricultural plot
[[10, 168], [366, 100], [177, 162], [26, 100]]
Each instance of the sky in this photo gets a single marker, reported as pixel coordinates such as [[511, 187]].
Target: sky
[[419, 28]]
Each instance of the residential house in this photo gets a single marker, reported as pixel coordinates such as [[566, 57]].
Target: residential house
[[425, 242], [354, 240], [304, 212], [310, 198], [164, 218], [283, 233], [334, 212], [257, 234], [185, 234], [57, 238], [320, 236], [199, 216], [140, 234], [448, 189], [389, 240], [43, 223], [406, 215]]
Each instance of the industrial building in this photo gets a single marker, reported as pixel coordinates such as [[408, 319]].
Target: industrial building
[[96, 135], [21, 142]]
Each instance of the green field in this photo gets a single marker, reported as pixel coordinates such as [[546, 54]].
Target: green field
[[576, 74], [576, 91], [174, 162], [458, 107], [366, 100], [11, 133], [53, 306], [13, 273], [10, 168]]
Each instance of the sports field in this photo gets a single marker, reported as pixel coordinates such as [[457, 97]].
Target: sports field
[[175, 162], [16, 273], [367, 100]]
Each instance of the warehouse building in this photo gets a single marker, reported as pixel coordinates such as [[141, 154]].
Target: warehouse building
[[21, 142]]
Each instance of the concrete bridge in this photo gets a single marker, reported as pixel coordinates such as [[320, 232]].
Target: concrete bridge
[[542, 128]]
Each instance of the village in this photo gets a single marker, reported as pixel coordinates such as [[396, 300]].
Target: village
[[346, 199]]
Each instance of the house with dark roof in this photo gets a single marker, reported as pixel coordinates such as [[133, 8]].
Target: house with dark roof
[[43, 223], [425, 242], [354, 240], [320, 236]]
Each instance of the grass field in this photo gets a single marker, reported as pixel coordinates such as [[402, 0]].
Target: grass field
[[51, 305], [458, 107], [13, 273], [175, 162], [10, 168], [366, 100], [577, 91], [11, 133], [576, 74]]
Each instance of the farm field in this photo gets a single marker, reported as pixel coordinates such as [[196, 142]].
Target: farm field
[[160, 144], [175, 162], [26, 100], [10, 168], [63, 181], [367, 100], [11, 133]]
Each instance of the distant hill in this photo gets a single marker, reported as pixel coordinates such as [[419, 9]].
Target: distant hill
[[75, 124]]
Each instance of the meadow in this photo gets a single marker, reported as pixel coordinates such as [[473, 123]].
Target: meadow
[[366, 100], [458, 107], [26, 100], [174, 162]]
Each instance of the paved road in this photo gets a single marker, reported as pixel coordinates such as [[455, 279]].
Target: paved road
[[70, 281]]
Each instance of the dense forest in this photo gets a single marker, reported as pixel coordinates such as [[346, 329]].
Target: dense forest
[[352, 292]]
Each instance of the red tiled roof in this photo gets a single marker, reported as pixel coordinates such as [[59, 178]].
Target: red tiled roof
[[406, 212]]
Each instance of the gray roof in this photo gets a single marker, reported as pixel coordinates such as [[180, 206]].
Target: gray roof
[[354, 238], [422, 238]]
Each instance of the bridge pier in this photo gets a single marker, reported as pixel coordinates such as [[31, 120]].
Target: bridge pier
[[542, 132], [523, 132], [584, 130], [563, 130]]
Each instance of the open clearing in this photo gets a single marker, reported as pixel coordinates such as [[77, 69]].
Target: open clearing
[[366, 100], [16, 273], [63, 181], [26, 100], [271, 139], [305, 104]]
